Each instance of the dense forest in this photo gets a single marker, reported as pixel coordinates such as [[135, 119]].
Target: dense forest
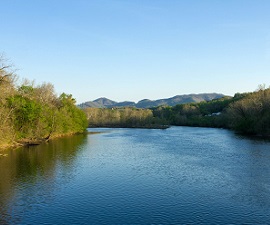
[[247, 113], [31, 113], [251, 114], [122, 117]]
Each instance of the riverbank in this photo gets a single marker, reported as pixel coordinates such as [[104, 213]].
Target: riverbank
[[37, 141]]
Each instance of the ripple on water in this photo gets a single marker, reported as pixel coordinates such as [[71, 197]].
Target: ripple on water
[[180, 175]]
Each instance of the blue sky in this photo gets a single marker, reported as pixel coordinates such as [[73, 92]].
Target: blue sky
[[135, 49]]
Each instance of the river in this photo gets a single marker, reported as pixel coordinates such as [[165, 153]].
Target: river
[[181, 175]]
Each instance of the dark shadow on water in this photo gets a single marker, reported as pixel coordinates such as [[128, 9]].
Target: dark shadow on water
[[255, 138], [27, 165]]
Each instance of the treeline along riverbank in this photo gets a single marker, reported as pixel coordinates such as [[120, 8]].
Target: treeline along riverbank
[[129, 117], [247, 113], [32, 113]]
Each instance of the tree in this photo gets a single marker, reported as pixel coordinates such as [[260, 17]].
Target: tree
[[30, 112], [7, 88], [251, 114]]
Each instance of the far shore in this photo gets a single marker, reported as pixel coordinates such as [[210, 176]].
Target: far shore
[[151, 126]]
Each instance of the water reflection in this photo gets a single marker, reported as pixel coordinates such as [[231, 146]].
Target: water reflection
[[134, 176], [254, 138], [28, 171]]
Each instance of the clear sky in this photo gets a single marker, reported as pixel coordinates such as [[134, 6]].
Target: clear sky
[[135, 49]]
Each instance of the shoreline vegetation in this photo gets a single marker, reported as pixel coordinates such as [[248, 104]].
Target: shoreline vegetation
[[128, 117], [32, 114], [246, 113]]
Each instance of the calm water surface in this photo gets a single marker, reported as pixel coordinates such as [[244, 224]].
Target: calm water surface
[[181, 175]]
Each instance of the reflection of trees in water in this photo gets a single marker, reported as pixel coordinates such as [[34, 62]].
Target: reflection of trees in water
[[26, 169]]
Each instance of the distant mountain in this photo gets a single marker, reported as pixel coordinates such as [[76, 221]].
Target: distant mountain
[[99, 103], [146, 103], [104, 102]]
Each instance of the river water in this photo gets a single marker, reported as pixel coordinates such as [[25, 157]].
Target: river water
[[181, 175]]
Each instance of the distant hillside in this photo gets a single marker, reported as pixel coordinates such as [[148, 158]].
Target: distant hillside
[[146, 103]]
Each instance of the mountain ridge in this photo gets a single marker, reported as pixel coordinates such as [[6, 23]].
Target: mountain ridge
[[147, 103]]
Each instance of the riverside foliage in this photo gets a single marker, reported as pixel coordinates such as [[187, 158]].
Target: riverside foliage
[[30, 112], [245, 113], [122, 117]]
